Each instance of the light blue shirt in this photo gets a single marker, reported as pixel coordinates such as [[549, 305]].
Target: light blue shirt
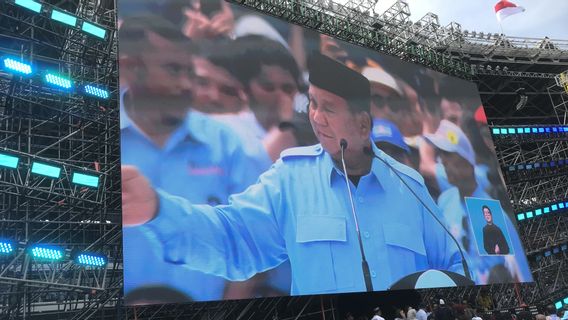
[[454, 207], [481, 171], [299, 210], [202, 161], [251, 133]]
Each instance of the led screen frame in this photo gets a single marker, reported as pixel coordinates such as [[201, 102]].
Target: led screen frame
[[431, 119]]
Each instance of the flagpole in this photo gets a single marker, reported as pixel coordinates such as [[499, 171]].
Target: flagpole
[[501, 27]]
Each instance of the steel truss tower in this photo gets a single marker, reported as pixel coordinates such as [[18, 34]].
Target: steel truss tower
[[74, 133]]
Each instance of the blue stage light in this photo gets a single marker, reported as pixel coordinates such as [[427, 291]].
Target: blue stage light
[[85, 179], [8, 161], [6, 247], [30, 4], [58, 81], [534, 130], [46, 170], [96, 92], [64, 17], [495, 130], [527, 130], [558, 305], [89, 259], [538, 212], [503, 130], [519, 130], [521, 216], [554, 207], [47, 252], [540, 130], [561, 205], [546, 209], [529, 214], [17, 66], [511, 130], [93, 29], [566, 300]]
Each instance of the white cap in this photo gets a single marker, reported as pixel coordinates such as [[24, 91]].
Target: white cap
[[451, 138], [255, 25], [380, 76]]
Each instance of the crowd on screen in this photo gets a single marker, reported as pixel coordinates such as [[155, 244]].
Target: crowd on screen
[[245, 82], [440, 309]]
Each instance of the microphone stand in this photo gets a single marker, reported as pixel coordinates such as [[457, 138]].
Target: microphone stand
[[364, 263]]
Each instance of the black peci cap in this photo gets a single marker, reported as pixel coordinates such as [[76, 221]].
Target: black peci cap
[[337, 78]]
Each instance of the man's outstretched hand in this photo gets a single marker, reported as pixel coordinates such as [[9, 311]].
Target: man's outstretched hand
[[139, 200]]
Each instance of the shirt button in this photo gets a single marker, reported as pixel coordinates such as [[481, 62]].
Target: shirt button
[[373, 274], [361, 199], [366, 234]]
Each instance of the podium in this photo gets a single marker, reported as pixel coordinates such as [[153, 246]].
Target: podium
[[431, 279]]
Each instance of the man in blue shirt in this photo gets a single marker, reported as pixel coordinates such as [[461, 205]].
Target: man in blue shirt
[[458, 159], [182, 152], [388, 138], [300, 210]]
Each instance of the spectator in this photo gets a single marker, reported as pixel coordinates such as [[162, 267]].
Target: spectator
[[399, 314], [444, 312], [389, 102], [468, 311], [177, 149], [271, 79], [411, 314], [377, 314], [551, 311], [208, 19], [524, 315], [388, 138], [216, 88], [421, 314], [475, 316]]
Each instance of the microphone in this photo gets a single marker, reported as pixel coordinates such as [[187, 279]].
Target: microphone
[[364, 264], [370, 152]]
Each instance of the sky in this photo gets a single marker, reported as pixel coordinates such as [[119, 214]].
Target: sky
[[541, 17]]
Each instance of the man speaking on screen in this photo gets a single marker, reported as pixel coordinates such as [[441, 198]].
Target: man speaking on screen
[[342, 232]]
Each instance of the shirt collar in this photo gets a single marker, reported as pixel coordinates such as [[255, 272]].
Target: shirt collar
[[193, 128], [378, 168]]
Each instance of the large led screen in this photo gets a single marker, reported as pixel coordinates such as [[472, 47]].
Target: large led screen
[[263, 159]]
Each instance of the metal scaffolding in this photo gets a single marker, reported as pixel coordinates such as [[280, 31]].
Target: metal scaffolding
[[69, 131]]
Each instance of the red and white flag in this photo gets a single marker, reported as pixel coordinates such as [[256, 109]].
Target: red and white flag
[[504, 9]]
